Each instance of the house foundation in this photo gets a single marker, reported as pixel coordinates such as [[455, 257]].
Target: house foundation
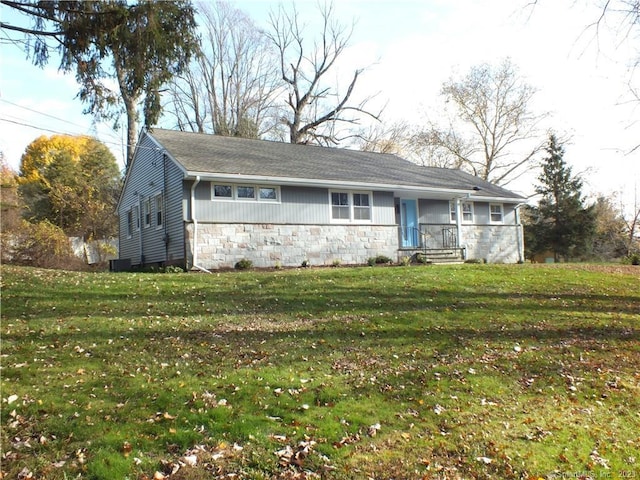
[[270, 245]]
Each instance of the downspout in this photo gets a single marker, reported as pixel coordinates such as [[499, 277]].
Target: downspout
[[459, 226], [194, 247], [140, 229], [519, 233], [165, 237]]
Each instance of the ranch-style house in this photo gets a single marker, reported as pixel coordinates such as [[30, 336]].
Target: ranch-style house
[[205, 202]]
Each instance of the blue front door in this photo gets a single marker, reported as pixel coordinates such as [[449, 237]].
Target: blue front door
[[409, 223]]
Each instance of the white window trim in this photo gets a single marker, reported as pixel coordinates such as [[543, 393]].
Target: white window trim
[[221, 199], [453, 209], [146, 203], [351, 218], [136, 217], [130, 225], [234, 193], [491, 220], [155, 210]]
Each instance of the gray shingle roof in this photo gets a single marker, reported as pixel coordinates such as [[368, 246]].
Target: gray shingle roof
[[205, 153]]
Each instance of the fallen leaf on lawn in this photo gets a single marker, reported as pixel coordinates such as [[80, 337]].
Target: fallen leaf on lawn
[[11, 399], [126, 448], [485, 460]]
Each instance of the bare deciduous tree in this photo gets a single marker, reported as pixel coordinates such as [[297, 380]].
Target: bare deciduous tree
[[395, 138], [491, 131], [231, 87], [314, 109]]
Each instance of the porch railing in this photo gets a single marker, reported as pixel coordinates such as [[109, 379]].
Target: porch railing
[[429, 236]]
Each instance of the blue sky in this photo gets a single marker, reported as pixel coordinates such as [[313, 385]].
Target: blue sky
[[409, 48]]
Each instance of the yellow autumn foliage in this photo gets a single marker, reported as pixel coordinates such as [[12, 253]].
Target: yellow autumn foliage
[[43, 150]]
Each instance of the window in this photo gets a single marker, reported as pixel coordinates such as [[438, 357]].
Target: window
[[259, 193], [159, 204], [245, 192], [129, 223], [268, 193], [146, 210], [223, 191], [340, 205], [361, 207], [467, 211], [136, 217], [351, 206], [496, 213]]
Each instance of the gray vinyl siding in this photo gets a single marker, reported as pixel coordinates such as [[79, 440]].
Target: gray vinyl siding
[[174, 213], [434, 211], [297, 206], [437, 212], [152, 174]]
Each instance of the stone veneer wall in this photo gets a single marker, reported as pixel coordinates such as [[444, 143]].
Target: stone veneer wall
[[493, 243], [269, 245]]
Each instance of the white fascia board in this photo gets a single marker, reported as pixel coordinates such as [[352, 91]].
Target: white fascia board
[[478, 198], [309, 182]]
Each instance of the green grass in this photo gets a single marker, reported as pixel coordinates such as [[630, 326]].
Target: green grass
[[465, 371]]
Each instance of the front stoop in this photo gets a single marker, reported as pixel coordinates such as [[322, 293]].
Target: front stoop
[[433, 255]]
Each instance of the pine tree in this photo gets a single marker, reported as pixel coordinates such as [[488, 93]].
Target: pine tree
[[561, 222]]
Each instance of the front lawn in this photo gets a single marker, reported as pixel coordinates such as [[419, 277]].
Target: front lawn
[[442, 372]]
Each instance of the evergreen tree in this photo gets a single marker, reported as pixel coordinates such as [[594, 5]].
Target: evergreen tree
[[560, 222], [139, 45]]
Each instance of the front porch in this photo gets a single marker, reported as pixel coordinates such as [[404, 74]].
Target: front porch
[[431, 243]]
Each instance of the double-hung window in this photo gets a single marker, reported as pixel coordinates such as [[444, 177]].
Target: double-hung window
[[350, 206], [159, 205], [496, 213], [146, 212], [129, 223], [340, 206], [136, 217], [361, 207], [467, 211]]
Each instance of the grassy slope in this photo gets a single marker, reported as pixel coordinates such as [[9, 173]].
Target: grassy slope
[[469, 371]]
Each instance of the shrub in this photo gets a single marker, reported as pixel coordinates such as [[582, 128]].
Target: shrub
[[632, 259], [475, 260], [379, 260], [173, 269], [44, 245], [243, 264]]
